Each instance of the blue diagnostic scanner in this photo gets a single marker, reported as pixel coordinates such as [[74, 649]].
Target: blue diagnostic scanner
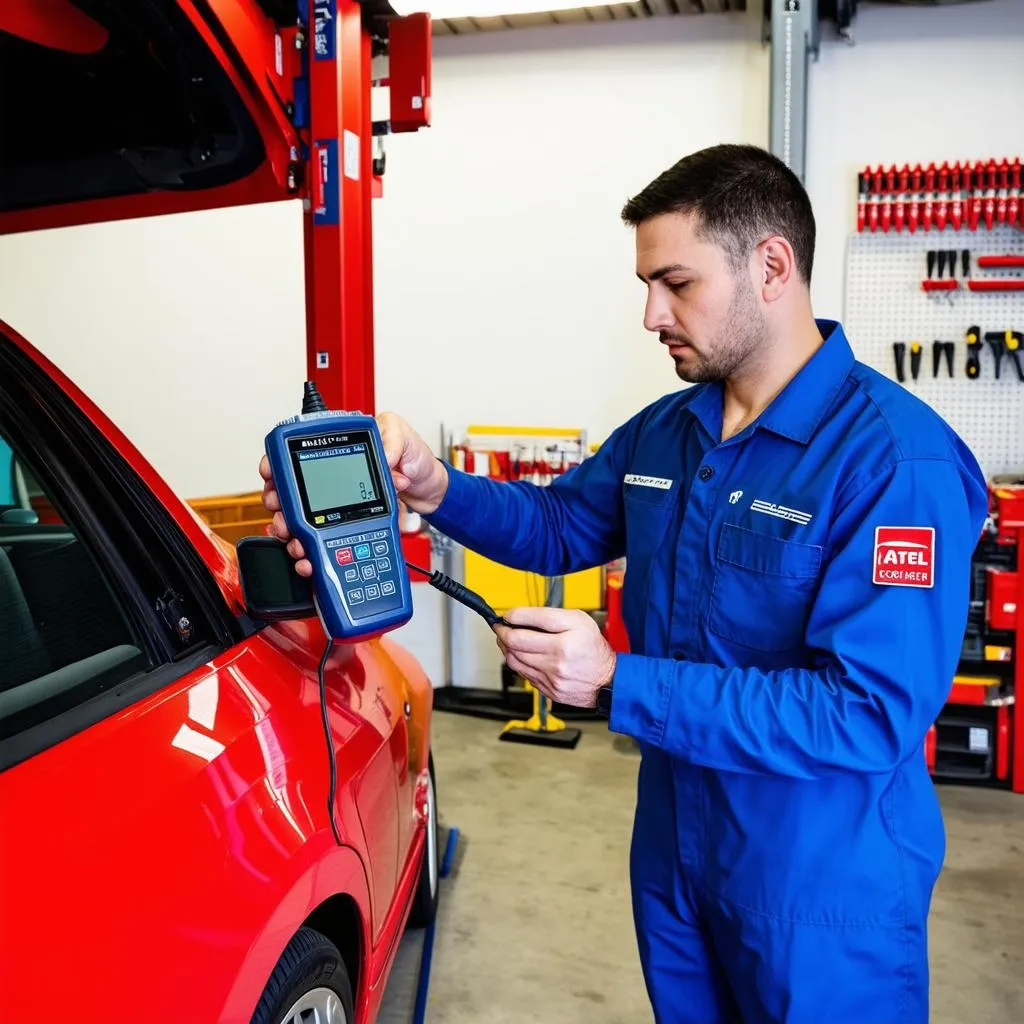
[[338, 499]]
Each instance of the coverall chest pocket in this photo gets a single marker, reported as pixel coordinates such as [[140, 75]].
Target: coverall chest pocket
[[763, 589]]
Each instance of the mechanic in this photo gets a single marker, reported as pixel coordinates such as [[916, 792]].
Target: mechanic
[[798, 532]]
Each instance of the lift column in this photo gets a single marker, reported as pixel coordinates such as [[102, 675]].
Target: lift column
[[337, 219]]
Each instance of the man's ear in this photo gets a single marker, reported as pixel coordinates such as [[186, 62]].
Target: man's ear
[[777, 267]]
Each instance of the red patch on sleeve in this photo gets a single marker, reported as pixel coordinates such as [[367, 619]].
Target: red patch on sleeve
[[905, 556]]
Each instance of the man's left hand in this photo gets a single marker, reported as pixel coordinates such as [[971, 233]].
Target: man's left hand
[[569, 662]]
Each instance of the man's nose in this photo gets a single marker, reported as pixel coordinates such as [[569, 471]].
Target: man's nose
[[657, 314]]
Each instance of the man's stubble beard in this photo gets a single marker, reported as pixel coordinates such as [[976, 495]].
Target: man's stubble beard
[[741, 334]]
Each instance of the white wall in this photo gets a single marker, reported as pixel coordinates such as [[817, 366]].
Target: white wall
[[505, 277]]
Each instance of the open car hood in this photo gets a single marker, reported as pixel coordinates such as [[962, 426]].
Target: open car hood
[[112, 109]]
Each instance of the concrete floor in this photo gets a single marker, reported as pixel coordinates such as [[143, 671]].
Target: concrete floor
[[532, 928]]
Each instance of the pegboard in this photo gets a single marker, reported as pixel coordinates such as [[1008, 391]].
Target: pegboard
[[884, 303]]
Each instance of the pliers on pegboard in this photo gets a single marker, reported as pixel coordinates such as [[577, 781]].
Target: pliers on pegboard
[[1014, 343], [1006, 343]]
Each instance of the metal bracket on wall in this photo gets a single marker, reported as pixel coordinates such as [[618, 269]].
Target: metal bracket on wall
[[791, 26]]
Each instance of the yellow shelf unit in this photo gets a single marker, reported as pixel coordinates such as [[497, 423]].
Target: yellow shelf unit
[[506, 588]]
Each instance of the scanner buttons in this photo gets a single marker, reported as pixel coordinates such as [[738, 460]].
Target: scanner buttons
[[369, 573]]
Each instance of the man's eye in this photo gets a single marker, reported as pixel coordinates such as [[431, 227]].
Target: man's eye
[[677, 286]]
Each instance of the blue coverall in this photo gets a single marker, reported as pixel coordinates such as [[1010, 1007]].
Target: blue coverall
[[787, 835]]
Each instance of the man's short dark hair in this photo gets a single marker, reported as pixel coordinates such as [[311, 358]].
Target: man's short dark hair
[[741, 195]]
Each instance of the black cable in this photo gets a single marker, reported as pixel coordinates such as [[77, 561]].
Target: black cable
[[330, 740], [311, 400], [461, 593]]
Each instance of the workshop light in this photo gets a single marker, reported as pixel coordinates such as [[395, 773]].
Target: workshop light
[[442, 9]]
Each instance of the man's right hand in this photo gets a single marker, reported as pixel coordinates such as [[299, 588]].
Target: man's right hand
[[420, 480]]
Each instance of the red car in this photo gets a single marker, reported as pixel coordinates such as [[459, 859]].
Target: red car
[[167, 852]]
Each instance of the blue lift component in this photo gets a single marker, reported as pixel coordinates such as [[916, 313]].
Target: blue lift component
[[426, 957]]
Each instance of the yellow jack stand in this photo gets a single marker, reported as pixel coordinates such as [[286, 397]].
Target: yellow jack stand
[[542, 727]]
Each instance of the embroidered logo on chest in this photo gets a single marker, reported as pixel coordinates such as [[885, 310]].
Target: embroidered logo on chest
[[905, 556], [770, 508], [647, 481]]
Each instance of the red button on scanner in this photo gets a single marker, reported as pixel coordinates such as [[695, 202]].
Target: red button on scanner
[[343, 555]]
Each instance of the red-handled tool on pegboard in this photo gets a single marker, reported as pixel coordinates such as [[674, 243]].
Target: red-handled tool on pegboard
[[1006, 284], [890, 191], [1013, 203], [914, 207], [977, 191], [991, 187], [942, 201], [1003, 195], [928, 207], [1001, 261], [875, 206], [863, 180], [956, 212]]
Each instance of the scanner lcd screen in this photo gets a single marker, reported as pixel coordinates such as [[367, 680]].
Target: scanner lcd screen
[[337, 477]]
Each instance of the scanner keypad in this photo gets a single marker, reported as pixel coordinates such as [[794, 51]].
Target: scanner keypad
[[369, 579]]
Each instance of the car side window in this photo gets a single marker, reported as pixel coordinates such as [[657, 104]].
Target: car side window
[[64, 635], [7, 498]]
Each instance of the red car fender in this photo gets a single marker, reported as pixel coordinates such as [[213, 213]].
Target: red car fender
[[322, 870], [419, 692]]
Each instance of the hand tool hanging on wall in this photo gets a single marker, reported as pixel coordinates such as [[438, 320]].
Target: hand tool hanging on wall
[[875, 208], [1005, 284], [956, 211], [977, 195], [1001, 261], [900, 208], [973, 367], [941, 209], [1003, 195], [862, 199], [915, 358], [1013, 208], [899, 351], [914, 209], [1014, 341], [991, 191], [928, 209], [942, 349], [890, 190], [997, 343]]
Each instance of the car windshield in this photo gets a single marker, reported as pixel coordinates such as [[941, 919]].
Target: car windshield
[[102, 98]]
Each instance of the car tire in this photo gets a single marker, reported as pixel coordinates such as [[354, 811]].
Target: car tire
[[310, 974], [424, 905]]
